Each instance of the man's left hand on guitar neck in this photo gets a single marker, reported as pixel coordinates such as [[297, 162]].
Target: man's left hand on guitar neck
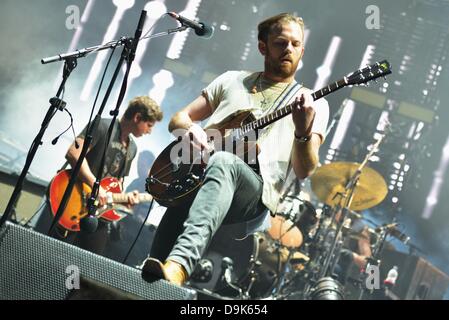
[[133, 198], [303, 115], [307, 144]]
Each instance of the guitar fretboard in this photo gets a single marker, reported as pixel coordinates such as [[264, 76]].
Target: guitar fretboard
[[123, 198]]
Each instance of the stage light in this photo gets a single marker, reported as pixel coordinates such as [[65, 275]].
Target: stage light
[[111, 34]]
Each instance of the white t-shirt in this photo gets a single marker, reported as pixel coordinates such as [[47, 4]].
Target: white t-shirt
[[234, 91]]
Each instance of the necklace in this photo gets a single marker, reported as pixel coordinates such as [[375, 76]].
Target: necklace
[[267, 101]]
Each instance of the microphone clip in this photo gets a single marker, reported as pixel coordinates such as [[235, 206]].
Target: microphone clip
[[89, 222], [58, 103], [91, 201]]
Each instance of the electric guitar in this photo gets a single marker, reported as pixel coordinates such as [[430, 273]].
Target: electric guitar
[[76, 206], [175, 177]]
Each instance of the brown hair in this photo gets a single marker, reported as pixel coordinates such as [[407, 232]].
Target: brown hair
[[147, 107], [269, 25]]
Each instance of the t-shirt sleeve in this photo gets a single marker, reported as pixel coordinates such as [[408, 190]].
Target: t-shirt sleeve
[[101, 132], [214, 92]]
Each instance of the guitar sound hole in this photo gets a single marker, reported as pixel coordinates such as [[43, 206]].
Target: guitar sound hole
[[73, 218]]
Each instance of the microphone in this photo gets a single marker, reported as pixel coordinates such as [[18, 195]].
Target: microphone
[[200, 28], [89, 223], [399, 235], [391, 227], [137, 34], [55, 141], [387, 226]]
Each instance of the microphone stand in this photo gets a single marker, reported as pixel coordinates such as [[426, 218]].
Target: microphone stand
[[56, 103], [83, 52], [128, 53]]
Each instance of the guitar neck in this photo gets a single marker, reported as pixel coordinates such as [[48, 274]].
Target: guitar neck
[[123, 198], [285, 111]]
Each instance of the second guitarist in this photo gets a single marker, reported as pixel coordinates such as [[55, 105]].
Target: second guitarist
[[139, 118]]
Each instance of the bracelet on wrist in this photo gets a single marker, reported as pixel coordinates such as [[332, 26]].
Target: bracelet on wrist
[[302, 138]]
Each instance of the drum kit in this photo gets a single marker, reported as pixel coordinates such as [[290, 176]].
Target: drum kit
[[299, 256]]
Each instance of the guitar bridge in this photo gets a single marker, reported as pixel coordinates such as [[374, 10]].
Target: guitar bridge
[[185, 185]]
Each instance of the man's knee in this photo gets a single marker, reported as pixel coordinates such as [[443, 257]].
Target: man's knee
[[222, 158]]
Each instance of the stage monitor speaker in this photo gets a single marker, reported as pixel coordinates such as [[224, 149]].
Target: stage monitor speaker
[[35, 266], [417, 280], [30, 198]]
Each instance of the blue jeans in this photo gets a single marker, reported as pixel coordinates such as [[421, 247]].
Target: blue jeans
[[231, 193]]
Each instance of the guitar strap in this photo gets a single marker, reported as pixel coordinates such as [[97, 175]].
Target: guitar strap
[[285, 98], [282, 102]]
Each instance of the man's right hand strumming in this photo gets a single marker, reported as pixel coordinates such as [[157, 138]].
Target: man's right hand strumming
[[102, 197], [197, 137]]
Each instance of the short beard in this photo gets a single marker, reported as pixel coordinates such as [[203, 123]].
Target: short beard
[[277, 69]]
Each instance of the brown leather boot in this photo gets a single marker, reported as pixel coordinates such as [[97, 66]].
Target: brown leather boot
[[171, 271]]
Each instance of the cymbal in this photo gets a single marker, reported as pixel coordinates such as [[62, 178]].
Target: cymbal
[[331, 179]]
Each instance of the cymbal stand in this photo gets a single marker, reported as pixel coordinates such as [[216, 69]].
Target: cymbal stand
[[345, 203], [281, 273], [245, 295], [374, 260], [317, 251]]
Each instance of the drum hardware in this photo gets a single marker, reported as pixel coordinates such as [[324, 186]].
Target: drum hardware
[[226, 277], [275, 270], [252, 276], [203, 272], [344, 187], [327, 288], [383, 232], [281, 277]]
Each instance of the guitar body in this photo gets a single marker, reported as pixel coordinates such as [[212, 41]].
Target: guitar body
[[172, 181], [76, 206]]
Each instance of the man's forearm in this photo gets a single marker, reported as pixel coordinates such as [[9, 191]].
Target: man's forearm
[[305, 156], [85, 174], [180, 120]]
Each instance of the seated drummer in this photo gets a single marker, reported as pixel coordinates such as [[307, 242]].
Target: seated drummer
[[356, 250]]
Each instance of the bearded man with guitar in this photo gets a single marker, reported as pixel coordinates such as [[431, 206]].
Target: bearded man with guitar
[[233, 191], [139, 118]]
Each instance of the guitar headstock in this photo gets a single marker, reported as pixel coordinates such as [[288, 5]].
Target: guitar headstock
[[372, 72]]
